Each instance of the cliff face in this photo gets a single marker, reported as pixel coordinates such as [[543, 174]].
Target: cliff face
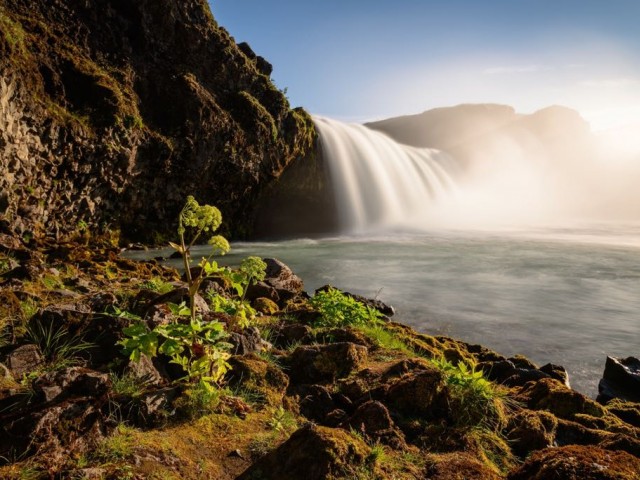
[[113, 111]]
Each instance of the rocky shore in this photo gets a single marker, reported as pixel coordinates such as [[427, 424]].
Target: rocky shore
[[313, 389]]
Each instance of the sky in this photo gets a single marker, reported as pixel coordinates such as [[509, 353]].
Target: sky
[[357, 60]]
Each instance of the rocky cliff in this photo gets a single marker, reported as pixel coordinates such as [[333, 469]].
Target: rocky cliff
[[112, 112]]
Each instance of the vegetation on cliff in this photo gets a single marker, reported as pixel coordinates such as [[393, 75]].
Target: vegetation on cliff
[[111, 113]]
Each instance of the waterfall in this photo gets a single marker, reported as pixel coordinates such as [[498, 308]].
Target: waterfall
[[379, 183]]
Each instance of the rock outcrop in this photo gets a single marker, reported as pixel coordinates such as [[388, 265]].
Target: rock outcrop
[[112, 112]]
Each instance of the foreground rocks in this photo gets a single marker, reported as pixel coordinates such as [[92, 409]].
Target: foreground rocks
[[299, 401]]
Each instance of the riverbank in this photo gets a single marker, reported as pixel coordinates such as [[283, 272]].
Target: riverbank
[[321, 387]]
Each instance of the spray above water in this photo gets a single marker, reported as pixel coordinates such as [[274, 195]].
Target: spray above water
[[512, 177], [379, 183]]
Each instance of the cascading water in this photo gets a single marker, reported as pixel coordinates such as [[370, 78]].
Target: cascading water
[[379, 183]]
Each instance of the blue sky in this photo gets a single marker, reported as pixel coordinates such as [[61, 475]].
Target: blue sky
[[361, 60]]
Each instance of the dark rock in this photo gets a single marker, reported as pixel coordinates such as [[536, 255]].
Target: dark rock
[[249, 341], [159, 314], [280, 277], [311, 453], [24, 360], [322, 363], [262, 290], [498, 371], [291, 333], [522, 376], [371, 418], [180, 295], [558, 372], [621, 379], [73, 381], [622, 442], [144, 371], [521, 361], [578, 463], [316, 402]]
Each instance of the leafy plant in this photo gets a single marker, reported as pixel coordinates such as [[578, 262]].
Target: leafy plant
[[282, 421], [157, 284], [194, 221], [239, 309], [475, 400], [339, 310], [198, 347]]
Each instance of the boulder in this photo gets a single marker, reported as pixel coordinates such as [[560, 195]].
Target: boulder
[[261, 290], [577, 462], [24, 360], [621, 379], [316, 403], [373, 420], [325, 363], [311, 453], [265, 306], [72, 381], [419, 394], [529, 430], [553, 396], [558, 372], [144, 371], [249, 341], [258, 377], [282, 278]]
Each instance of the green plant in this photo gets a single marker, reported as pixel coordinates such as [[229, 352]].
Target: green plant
[[198, 401], [475, 401], [198, 347], [157, 284], [59, 348], [282, 421], [194, 221], [239, 309], [338, 310]]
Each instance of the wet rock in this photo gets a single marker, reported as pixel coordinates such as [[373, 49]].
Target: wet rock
[[458, 465], [24, 360], [528, 431], [578, 463], [621, 379], [322, 363], [249, 341], [257, 376], [311, 453], [558, 372], [280, 277]]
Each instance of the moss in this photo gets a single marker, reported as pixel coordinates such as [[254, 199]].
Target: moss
[[259, 378], [266, 306]]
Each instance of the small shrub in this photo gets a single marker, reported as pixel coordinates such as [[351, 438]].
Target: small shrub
[[475, 401], [59, 348], [340, 310]]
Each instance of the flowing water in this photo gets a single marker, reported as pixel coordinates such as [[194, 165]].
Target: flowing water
[[569, 296], [419, 234]]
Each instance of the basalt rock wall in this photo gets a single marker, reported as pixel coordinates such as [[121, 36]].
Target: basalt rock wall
[[113, 111]]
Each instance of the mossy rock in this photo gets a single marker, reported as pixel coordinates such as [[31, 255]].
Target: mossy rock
[[456, 466], [530, 430], [553, 396], [578, 463], [259, 378], [312, 453], [266, 306]]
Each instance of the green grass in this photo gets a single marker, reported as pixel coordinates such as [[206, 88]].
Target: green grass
[[340, 310], [385, 339]]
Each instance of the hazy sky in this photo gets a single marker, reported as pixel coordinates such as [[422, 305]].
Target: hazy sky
[[361, 60]]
